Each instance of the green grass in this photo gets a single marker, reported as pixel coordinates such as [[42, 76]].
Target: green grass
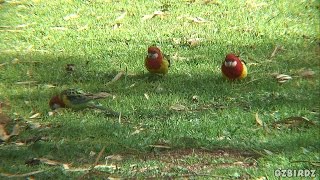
[[36, 43]]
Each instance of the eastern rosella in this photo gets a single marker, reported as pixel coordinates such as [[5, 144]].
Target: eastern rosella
[[156, 62], [77, 99], [233, 68]]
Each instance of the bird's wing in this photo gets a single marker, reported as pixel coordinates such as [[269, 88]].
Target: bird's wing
[[76, 96]]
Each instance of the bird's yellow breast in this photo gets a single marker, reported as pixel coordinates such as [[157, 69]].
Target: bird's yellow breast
[[244, 72]]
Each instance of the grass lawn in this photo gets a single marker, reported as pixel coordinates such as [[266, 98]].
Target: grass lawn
[[191, 123]]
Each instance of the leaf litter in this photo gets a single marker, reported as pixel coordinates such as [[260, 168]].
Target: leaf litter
[[197, 20], [293, 122], [159, 13], [281, 78], [178, 107], [306, 73], [71, 16], [5, 121]]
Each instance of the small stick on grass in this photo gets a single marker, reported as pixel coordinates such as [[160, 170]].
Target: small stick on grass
[[276, 49], [99, 156], [20, 175]]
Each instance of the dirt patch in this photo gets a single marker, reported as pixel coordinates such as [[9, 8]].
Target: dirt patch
[[199, 160]]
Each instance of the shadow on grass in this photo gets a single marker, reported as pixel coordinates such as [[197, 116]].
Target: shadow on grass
[[251, 95]]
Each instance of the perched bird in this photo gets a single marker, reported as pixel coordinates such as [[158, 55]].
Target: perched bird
[[77, 99], [156, 62], [233, 68]]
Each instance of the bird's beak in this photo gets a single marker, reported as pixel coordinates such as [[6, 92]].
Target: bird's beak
[[152, 55]]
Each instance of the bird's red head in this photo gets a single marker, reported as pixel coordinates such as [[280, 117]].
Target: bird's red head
[[232, 66], [232, 61], [55, 103], [154, 57]]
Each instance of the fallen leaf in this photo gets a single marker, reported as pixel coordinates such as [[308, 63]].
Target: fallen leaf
[[49, 162], [178, 107], [197, 19], [19, 143], [70, 68], [261, 178], [26, 82], [177, 40], [123, 14], [84, 27], [146, 96], [292, 122], [306, 73], [20, 175], [2, 64], [258, 120], [15, 61], [158, 13], [51, 113], [117, 77], [274, 74], [116, 26], [159, 89], [34, 125], [131, 86], [195, 98], [35, 116], [115, 157], [49, 86], [71, 16], [305, 150], [92, 153], [11, 30], [268, 152], [282, 78], [29, 73], [194, 41], [137, 131], [253, 4], [316, 164], [15, 130], [37, 161], [215, 2], [59, 28], [176, 57], [103, 167], [65, 166], [160, 146], [4, 119], [4, 136], [150, 16], [113, 178]]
